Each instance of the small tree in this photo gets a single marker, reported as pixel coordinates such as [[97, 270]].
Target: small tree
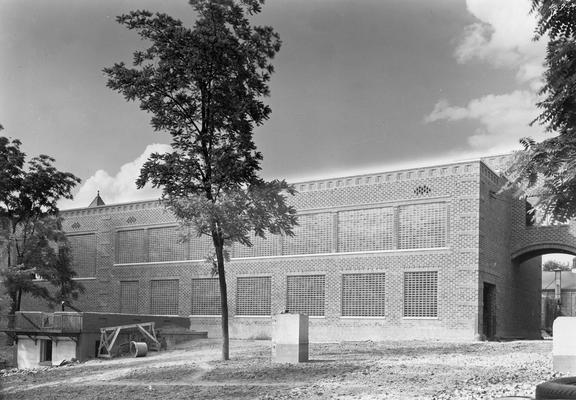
[[550, 166], [31, 237], [204, 87]]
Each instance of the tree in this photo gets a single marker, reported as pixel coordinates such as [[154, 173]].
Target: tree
[[552, 265], [203, 86], [31, 235], [550, 166]]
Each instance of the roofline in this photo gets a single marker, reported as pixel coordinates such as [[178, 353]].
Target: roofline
[[477, 160]]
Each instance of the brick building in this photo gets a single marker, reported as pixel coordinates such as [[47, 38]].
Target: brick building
[[434, 252]]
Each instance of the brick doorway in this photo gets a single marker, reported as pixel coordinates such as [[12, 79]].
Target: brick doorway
[[489, 311]]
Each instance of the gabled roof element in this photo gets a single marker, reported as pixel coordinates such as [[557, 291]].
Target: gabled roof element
[[97, 201]]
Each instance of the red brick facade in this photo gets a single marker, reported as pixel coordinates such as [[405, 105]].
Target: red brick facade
[[397, 255]]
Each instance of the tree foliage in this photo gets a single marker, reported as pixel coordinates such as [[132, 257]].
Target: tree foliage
[[552, 265], [31, 237], [550, 165], [204, 86]]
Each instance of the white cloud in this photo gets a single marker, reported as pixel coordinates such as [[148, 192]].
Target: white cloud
[[503, 38], [119, 188], [504, 119]]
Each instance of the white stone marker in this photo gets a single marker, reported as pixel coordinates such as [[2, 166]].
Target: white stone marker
[[564, 345], [290, 338]]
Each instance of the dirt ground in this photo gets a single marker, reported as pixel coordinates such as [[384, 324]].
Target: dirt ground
[[359, 370]]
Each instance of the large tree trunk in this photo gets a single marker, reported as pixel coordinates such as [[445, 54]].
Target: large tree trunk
[[219, 247]]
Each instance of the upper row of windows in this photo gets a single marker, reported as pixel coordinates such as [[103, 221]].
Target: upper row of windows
[[385, 228]]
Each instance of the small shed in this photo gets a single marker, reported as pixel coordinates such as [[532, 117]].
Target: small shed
[[50, 338]]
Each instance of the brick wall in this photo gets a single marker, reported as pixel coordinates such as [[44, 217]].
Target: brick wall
[[439, 221]]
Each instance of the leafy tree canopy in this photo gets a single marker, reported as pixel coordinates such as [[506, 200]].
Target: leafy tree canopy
[[204, 86], [32, 242], [550, 166]]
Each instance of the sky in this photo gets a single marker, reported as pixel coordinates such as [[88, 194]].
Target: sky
[[360, 86]]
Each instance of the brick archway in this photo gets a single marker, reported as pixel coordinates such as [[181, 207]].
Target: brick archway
[[539, 249]]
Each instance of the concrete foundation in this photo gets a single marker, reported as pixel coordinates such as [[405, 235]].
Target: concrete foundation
[[564, 345], [290, 338]]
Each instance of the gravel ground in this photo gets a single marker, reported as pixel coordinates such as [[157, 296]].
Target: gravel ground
[[359, 370]]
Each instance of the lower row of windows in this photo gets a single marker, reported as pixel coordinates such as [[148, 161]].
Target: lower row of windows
[[362, 295]]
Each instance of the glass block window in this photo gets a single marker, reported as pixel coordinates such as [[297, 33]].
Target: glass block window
[[363, 295], [163, 245], [305, 294], [421, 294], [164, 296], [131, 246], [129, 297], [200, 247], [422, 226], [206, 297], [83, 249], [253, 295], [261, 247], [365, 230], [313, 235]]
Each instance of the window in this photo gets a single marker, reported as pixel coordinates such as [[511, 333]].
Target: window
[[306, 294], [83, 249], [253, 295], [164, 245], [206, 297], [421, 294], [313, 235], [129, 297], [422, 226], [365, 230], [164, 297], [363, 295], [131, 246]]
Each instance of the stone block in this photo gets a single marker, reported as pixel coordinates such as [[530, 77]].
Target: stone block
[[290, 338], [564, 345]]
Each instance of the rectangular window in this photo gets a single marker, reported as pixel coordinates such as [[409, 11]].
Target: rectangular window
[[83, 249], [253, 295], [129, 297], [164, 296], [206, 297], [305, 294], [261, 247], [422, 226], [164, 245], [131, 246], [365, 230], [363, 295], [421, 294], [313, 235]]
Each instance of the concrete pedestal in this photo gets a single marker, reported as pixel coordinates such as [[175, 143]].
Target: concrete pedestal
[[290, 338], [564, 345]]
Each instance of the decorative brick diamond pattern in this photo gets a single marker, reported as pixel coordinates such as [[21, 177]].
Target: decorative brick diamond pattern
[[83, 248], [313, 235], [164, 297], [131, 246], [422, 226], [164, 245], [365, 230], [206, 297], [363, 295], [305, 294], [129, 297], [253, 295], [421, 294]]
